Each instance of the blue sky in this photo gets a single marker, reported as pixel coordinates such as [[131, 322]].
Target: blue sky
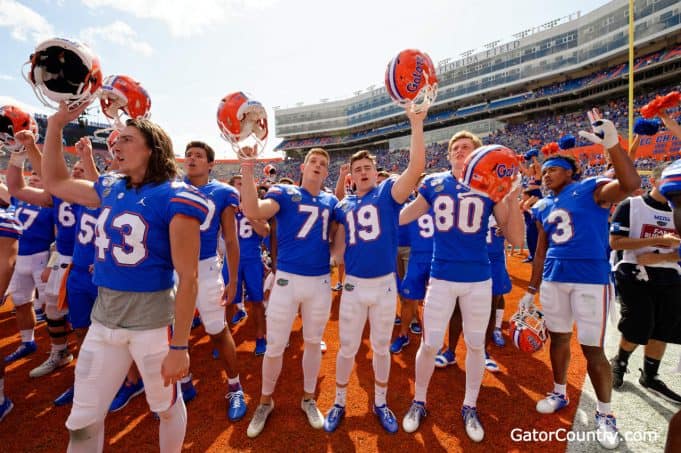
[[189, 54]]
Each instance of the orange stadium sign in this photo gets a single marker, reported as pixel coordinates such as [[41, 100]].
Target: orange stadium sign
[[659, 147]]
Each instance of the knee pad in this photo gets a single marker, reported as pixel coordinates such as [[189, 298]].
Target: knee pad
[[214, 327], [175, 410], [429, 350], [380, 347], [348, 348], [86, 434], [53, 312], [275, 349], [474, 340]]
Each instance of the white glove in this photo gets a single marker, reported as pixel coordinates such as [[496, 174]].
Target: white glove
[[526, 302], [604, 131]]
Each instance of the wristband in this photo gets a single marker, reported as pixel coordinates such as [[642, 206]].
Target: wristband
[[17, 159], [178, 348], [531, 288]]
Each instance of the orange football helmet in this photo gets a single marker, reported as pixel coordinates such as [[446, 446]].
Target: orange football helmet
[[12, 120], [492, 170], [241, 118], [410, 79], [121, 93], [63, 70], [269, 170], [527, 330]]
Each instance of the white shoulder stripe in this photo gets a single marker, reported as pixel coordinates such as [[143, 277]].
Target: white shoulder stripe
[[192, 197]]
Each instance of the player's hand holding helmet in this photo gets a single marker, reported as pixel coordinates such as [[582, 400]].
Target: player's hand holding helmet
[[491, 170], [604, 131], [62, 70], [123, 94], [527, 329], [526, 302], [243, 123], [16, 127], [411, 81]]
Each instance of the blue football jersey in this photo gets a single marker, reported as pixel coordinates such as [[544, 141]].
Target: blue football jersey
[[84, 248], [461, 220], [37, 226], [421, 232], [370, 223], [249, 240], [303, 222], [220, 196], [495, 243], [9, 225], [65, 219], [577, 232], [132, 240]]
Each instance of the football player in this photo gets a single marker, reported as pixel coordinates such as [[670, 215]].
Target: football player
[[148, 227], [302, 281], [368, 224], [571, 265]]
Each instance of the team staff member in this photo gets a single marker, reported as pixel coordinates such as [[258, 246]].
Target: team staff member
[[648, 283]]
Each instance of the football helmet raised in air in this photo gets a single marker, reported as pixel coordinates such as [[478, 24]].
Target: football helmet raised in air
[[12, 120], [242, 120], [269, 170], [527, 330], [492, 170], [410, 79], [63, 70], [121, 93]]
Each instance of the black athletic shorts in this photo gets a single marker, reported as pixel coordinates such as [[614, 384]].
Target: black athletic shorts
[[652, 309]]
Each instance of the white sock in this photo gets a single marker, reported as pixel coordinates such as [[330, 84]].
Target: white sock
[[2, 390], [603, 408], [341, 393], [187, 378], [233, 381], [500, 318], [27, 335], [475, 370], [241, 306], [425, 365], [380, 395], [173, 426], [560, 388], [57, 348], [271, 369], [312, 361]]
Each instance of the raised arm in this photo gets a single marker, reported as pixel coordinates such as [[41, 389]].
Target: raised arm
[[18, 188], [56, 178], [340, 184], [627, 178], [414, 210], [670, 124], [252, 206], [510, 219], [84, 151], [417, 158]]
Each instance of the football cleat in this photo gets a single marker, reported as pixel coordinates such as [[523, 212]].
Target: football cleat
[[606, 431], [498, 338], [471, 421], [22, 351], [399, 344], [260, 346], [125, 394], [386, 417], [314, 415], [236, 405], [552, 403], [334, 418], [65, 398], [412, 420], [257, 424], [444, 358], [5, 408], [54, 361]]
